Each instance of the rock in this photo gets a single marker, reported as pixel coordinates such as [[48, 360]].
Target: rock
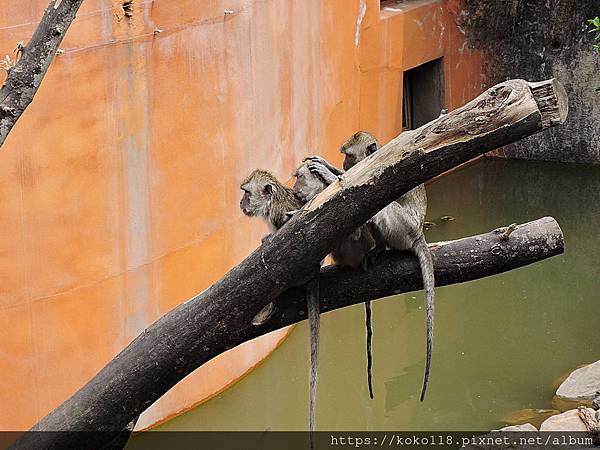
[[560, 380], [596, 403], [580, 388], [567, 421], [520, 428]]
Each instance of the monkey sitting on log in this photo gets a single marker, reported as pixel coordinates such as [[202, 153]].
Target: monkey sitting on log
[[311, 179], [398, 226], [266, 197]]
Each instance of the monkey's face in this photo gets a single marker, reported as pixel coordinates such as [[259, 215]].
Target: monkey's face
[[256, 197], [357, 148], [356, 153], [308, 185], [353, 155], [350, 159]]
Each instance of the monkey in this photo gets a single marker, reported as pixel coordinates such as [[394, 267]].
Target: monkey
[[398, 226], [312, 178], [266, 197]]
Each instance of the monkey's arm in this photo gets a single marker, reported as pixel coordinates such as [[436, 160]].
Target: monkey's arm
[[334, 170], [323, 172]]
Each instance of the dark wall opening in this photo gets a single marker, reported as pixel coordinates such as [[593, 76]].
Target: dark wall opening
[[423, 94]]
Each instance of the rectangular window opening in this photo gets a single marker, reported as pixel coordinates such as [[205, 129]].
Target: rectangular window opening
[[422, 94]]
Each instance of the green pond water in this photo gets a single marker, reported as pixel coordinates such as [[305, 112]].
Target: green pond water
[[501, 342]]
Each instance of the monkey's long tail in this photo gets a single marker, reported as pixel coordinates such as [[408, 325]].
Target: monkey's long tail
[[312, 300], [426, 262], [369, 326]]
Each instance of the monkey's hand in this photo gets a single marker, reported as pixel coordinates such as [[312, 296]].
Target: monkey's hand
[[322, 171], [317, 159]]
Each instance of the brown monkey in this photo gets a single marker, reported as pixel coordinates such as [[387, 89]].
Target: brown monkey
[[264, 196], [398, 226], [311, 179]]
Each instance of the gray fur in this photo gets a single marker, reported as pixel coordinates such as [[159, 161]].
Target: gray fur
[[314, 321]]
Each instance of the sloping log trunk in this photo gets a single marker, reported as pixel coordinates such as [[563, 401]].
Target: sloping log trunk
[[25, 78], [221, 316]]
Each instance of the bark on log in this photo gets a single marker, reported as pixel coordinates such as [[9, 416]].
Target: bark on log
[[221, 316], [25, 77]]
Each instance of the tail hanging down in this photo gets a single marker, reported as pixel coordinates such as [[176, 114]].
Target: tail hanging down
[[369, 327], [426, 262], [312, 300]]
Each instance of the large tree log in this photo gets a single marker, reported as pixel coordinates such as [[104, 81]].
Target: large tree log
[[221, 316], [25, 77]]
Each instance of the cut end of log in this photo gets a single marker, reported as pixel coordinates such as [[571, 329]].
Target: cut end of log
[[553, 103]]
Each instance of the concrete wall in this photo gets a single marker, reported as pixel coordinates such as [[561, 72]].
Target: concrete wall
[[119, 186], [536, 41]]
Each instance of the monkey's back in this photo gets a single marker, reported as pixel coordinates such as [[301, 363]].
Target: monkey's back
[[401, 222]]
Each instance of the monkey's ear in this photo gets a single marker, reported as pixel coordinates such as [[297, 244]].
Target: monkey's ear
[[371, 148], [268, 189]]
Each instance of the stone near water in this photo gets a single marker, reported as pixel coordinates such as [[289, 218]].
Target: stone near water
[[567, 421], [581, 387]]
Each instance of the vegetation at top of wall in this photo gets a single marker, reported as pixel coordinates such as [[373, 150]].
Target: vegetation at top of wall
[[596, 24]]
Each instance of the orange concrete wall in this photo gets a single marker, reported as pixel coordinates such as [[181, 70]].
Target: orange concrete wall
[[119, 185]]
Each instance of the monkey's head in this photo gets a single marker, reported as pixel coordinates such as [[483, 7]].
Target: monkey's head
[[258, 190], [308, 184], [358, 147]]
